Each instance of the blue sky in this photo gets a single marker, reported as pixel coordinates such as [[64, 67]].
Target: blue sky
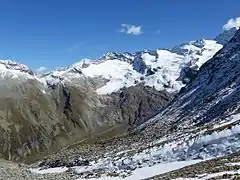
[[54, 33]]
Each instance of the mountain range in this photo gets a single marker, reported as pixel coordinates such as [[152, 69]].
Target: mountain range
[[129, 110]]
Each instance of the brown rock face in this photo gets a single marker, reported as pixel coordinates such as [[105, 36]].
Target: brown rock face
[[139, 103], [34, 123]]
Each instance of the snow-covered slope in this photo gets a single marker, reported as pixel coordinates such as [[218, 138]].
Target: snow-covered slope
[[117, 73]]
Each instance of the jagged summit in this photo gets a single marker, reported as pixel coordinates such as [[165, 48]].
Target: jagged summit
[[224, 37], [11, 72], [12, 65]]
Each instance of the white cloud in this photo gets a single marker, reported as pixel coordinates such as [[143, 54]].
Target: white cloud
[[41, 69], [131, 29], [232, 23]]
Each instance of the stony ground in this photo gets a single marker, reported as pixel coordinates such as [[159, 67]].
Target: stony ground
[[13, 171]]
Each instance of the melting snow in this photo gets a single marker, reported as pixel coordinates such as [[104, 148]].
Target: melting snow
[[233, 164]]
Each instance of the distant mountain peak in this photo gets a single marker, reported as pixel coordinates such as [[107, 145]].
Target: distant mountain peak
[[163, 69], [12, 65]]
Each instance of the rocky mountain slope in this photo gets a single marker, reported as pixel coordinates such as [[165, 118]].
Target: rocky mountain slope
[[201, 123], [41, 115], [213, 94]]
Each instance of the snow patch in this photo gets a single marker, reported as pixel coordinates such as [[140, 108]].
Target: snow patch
[[233, 164], [49, 171]]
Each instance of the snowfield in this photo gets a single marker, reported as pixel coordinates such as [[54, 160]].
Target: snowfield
[[148, 172]]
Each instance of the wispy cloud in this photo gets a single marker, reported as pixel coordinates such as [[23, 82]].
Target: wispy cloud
[[232, 23], [41, 69], [131, 29]]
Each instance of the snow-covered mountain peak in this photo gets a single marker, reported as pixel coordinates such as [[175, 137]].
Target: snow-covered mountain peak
[[12, 69], [127, 57], [12, 65], [161, 69], [83, 63], [198, 43], [111, 55]]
